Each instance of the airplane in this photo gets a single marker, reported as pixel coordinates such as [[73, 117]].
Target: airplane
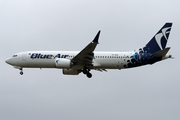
[[75, 62]]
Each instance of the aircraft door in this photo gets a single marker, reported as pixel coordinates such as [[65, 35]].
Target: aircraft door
[[24, 56]]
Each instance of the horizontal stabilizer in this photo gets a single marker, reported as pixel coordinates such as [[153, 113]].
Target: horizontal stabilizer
[[161, 53]]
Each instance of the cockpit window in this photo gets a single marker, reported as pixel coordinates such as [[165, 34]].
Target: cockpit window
[[14, 55]]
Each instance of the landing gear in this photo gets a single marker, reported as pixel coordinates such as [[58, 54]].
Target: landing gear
[[86, 71], [21, 73], [89, 75]]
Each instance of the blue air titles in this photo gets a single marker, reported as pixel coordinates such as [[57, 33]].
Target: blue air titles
[[46, 56]]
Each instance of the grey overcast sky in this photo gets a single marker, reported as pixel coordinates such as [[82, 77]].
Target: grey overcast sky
[[150, 92]]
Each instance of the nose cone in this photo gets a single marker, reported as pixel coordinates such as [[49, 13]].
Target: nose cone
[[8, 61]]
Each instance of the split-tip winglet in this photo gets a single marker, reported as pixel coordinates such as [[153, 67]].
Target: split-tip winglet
[[96, 38]]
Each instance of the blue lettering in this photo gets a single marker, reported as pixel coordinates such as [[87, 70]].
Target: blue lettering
[[66, 56], [38, 55], [48, 56], [42, 56], [34, 55], [57, 56]]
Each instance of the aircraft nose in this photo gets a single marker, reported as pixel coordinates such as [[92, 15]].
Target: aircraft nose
[[8, 61]]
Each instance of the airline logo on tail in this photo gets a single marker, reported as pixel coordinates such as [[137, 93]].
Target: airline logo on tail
[[159, 41], [165, 33]]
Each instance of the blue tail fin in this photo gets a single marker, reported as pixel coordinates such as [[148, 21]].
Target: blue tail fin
[[159, 41]]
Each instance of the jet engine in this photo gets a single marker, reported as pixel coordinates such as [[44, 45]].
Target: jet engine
[[71, 71], [63, 63]]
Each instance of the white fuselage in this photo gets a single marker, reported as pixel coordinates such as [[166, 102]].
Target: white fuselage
[[46, 59]]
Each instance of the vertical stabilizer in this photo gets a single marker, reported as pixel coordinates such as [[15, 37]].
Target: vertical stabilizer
[[159, 41]]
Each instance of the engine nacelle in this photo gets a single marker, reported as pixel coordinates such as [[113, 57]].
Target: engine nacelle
[[71, 71], [62, 63]]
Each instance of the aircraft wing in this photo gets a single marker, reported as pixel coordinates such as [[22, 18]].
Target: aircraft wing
[[85, 57]]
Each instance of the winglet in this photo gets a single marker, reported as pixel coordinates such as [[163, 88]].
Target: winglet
[[96, 38]]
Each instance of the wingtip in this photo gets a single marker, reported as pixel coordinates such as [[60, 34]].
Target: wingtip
[[97, 37]]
